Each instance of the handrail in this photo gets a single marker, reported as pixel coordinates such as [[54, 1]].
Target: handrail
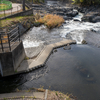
[[12, 37], [12, 30], [13, 34]]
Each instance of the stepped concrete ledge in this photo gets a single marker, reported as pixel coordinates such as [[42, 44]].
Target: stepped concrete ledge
[[40, 60], [35, 95]]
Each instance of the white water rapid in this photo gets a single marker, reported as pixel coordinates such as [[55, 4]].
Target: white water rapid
[[75, 29]]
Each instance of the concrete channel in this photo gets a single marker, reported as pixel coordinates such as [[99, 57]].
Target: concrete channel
[[40, 60]]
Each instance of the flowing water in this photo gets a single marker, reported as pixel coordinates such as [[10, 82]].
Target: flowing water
[[76, 71], [38, 37], [75, 30]]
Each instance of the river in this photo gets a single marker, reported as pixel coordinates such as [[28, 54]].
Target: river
[[73, 71]]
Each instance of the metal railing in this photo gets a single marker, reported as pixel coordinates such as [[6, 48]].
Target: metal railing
[[7, 40], [29, 3]]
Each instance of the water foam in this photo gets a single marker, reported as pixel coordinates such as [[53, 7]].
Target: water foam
[[77, 29]]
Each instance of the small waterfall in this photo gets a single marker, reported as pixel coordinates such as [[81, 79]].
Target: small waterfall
[[74, 29], [78, 30]]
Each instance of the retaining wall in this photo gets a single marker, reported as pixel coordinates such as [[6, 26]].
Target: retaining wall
[[11, 60]]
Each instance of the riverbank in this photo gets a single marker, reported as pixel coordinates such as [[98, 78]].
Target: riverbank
[[37, 94]]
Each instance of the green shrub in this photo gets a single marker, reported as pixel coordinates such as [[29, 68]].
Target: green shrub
[[5, 5], [88, 2]]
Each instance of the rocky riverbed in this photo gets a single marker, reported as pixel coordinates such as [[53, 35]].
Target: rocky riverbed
[[68, 11], [73, 28]]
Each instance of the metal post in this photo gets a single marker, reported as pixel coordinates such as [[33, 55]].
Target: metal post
[[4, 12], [32, 1], [19, 33], [23, 5], [17, 9], [11, 11], [9, 42], [1, 43]]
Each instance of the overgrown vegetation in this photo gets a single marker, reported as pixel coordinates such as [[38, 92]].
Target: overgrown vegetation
[[11, 21], [87, 2], [36, 1], [51, 20], [56, 95]]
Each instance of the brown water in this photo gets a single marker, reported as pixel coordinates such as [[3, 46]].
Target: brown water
[[75, 71]]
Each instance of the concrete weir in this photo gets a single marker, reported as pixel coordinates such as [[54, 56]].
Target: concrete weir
[[40, 60]]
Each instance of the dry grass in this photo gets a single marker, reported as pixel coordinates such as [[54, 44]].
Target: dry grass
[[51, 20], [56, 95], [4, 37], [2, 5]]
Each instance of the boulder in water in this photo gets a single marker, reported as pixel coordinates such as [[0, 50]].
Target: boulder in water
[[75, 19], [55, 50], [93, 30], [67, 18], [72, 13], [92, 17], [60, 13], [84, 42], [68, 47], [96, 19]]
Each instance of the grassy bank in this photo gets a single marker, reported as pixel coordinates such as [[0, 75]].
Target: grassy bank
[[51, 95], [51, 21], [13, 21]]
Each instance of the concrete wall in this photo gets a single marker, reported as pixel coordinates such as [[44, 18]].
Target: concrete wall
[[18, 55], [11, 60], [6, 63], [24, 13]]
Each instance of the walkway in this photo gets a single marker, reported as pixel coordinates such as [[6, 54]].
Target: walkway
[[40, 60], [15, 7], [25, 95]]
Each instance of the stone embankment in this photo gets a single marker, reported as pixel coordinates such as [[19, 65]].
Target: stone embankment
[[37, 94], [66, 11], [91, 13]]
